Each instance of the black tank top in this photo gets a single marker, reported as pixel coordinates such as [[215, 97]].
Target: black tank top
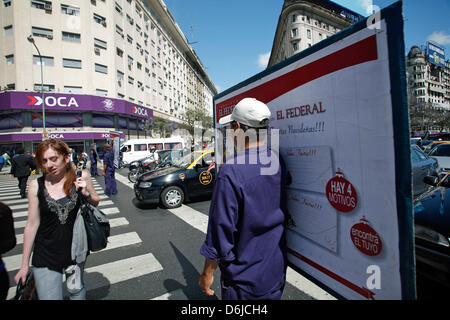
[[53, 241]]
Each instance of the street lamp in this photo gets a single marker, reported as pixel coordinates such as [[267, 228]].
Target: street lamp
[[44, 133]]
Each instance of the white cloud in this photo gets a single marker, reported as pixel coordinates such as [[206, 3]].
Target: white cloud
[[440, 37], [367, 5], [263, 60]]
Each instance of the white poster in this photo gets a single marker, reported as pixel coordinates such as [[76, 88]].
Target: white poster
[[333, 108]]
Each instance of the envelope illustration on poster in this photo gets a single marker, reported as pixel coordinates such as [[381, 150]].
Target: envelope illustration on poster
[[310, 167]]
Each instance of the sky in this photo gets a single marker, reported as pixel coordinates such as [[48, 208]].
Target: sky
[[233, 38]]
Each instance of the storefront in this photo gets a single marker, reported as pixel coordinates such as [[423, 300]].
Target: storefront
[[80, 120]]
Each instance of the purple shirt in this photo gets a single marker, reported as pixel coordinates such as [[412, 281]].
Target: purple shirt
[[246, 226]]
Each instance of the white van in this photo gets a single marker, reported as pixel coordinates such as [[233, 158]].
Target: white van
[[137, 149]]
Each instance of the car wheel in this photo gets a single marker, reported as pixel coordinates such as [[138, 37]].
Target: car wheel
[[132, 175], [172, 197]]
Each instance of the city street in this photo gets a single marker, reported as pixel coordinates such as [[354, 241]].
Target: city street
[[152, 253]]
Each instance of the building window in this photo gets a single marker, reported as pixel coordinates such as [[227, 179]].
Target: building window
[[101, 92], [47, 87], [129, 39], [72, 37], [294, 32], [308, 33], [43, 5], [295, 46], [119, 52], [46, 61], [8, 31], [9, 59], [119, 30], [119, 75], [130, 80], [118, 8], [99, 19], [69, 10], [71, 89], [41, 32], [71, 63], [99, 44], [101, 68], [294, 17], [7, 3]]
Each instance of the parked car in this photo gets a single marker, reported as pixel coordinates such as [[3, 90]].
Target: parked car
[[422, 166], [441, 153], [188, 177], [433, 144], [432, 231]]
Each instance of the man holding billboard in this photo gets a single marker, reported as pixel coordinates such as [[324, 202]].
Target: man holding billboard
[[246, 225]]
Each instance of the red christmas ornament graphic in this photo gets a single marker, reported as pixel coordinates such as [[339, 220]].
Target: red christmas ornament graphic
[[341, 194], [365, 238]]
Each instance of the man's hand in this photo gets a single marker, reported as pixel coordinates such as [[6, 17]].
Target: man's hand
[[205, 282], [207, 277]]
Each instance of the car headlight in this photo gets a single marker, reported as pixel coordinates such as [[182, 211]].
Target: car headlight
[[430, 235], [145, 184]]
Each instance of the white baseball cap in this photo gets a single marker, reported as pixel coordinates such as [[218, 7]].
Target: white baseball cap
[[250, 112]]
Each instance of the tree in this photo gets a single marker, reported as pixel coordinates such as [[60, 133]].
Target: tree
[[158, 126], [197, 115]]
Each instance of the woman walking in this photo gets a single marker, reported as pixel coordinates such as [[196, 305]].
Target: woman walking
[[53, 204]]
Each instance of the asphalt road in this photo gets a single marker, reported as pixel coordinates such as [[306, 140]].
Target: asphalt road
[[154, 252]]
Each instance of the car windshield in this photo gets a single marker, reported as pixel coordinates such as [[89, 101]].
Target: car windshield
[[186, 160]]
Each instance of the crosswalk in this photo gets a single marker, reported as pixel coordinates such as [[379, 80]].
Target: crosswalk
[[114, 272]]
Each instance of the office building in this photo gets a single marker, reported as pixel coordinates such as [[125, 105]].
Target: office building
[[114, 65]]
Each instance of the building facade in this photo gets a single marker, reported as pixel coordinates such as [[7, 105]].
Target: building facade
[[107, 66], [303, 23], [428, 82]]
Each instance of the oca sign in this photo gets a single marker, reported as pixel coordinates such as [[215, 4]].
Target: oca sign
[[51, 101], [140, 111]]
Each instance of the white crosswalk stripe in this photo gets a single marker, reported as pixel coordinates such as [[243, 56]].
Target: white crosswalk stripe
[[114, 272]]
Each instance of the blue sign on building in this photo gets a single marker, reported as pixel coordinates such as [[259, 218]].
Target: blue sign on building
[[435, 54]]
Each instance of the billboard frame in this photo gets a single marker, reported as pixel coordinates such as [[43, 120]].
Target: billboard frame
[[400, 118]]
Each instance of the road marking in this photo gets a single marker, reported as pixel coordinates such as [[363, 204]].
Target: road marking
[[10, 202], [193, 217], [124, 180], [122, 240], [109, 211], [121, 270], [199, 221], [115, 272]]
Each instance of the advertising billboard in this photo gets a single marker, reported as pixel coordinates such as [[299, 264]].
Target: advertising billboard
[[435, 54], [347, 150]]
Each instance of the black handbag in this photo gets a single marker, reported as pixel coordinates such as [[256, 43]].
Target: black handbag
[[7, 234], [28, 290], [96, 224]]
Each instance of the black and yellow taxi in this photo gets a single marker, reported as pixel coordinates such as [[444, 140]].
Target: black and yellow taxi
[[187, 178]]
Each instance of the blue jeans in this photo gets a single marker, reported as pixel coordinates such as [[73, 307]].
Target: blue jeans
[[49, 283]]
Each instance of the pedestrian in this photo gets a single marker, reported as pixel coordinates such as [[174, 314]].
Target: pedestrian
[[53, 203], [109, 170], [7, 242], [21, 166], [74, 157], [246, 227], [2, 162], [94, 158]]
